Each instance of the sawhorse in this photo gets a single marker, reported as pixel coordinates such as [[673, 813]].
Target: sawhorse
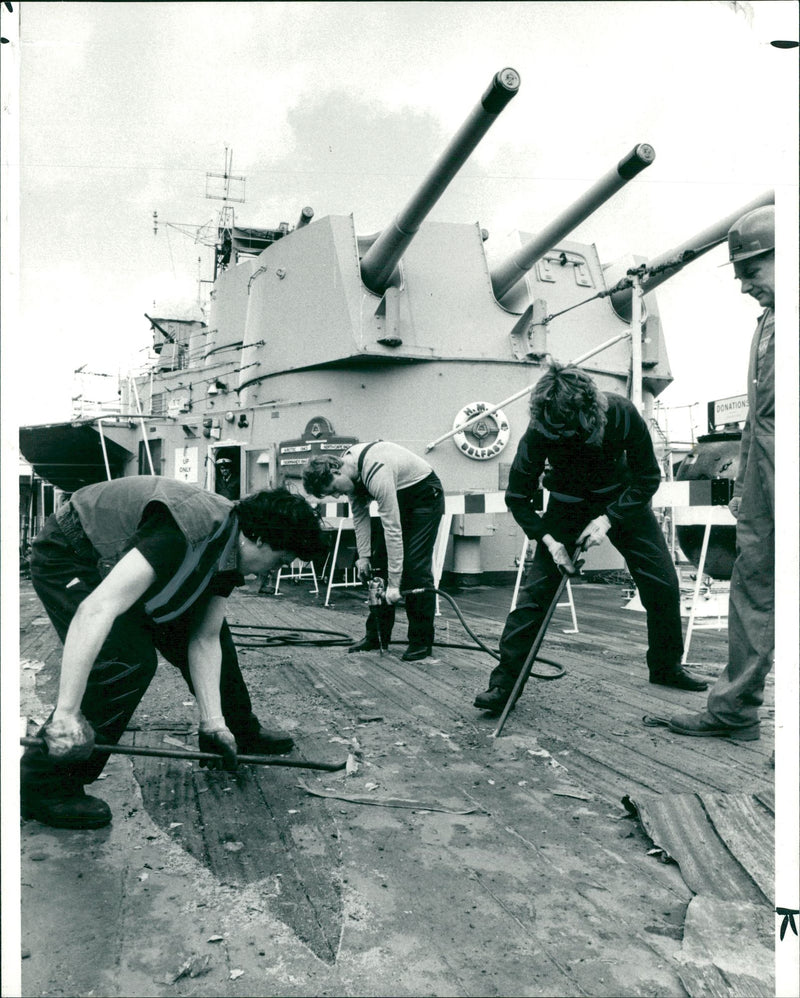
[[568, 589], [706, 516]]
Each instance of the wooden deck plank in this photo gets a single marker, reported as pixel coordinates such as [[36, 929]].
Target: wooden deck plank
[[254, 825], [549, 861]]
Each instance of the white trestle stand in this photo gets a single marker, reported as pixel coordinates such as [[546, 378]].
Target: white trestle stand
[[690, 504], [339, 517]]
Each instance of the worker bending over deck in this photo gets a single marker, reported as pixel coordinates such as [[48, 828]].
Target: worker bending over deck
[[601, 472], [410, 502], [734, 699], [136, 566]]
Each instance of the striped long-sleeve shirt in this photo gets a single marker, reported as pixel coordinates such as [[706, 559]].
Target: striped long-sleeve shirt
[[386, 469]]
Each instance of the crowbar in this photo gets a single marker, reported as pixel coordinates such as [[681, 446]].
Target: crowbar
[[251, 760], [522, 678]]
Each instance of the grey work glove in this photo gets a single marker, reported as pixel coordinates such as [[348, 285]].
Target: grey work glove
[[214, 736], [733, 506], [392, 595], [364, 569], [561, 557], [594, 532], [69, 738]]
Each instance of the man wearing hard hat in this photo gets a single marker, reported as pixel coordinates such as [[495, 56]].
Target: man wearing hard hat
[[733, 702]]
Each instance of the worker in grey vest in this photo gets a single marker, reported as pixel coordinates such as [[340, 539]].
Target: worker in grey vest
[[133, 567], [733, 701]]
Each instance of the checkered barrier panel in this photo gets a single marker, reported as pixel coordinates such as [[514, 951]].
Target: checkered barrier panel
[[698, 502], [336, 513], [715, 492], [477, 502], [704, 492], [462, 503]]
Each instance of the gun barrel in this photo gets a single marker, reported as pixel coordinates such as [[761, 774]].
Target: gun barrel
[[306, 215], [379, 262], [513, 269], [676, 259]]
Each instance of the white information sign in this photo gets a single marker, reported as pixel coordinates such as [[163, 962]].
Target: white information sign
[[186, 464], [730, 410]]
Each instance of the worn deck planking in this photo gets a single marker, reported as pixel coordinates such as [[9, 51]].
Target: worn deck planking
[[547, 862], [594, 712], [245, 831]]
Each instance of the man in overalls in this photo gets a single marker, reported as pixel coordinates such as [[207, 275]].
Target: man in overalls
[[733, 702], [599, 466]]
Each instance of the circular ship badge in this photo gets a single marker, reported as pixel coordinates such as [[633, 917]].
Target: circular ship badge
[[486, 437]]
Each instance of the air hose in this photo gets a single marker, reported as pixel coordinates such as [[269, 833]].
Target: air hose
[[475, 638], [293, 636], [460, 616], [336, 638]]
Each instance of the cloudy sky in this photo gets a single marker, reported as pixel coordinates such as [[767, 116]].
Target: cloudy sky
[[124, 108]]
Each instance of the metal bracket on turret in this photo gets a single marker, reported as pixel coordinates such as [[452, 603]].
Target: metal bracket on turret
[[389, 310], [529, 335]]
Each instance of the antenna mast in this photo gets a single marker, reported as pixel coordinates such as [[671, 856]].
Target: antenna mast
[[229, 188], [225, 224]]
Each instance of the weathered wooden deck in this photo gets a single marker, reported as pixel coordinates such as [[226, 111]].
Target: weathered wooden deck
[[451, 863]]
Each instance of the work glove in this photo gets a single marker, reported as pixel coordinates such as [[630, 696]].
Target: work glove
[[561, 557], [214, 736], [69, 738], [392, 595], [733, 506], [594, 532], [364, 569]]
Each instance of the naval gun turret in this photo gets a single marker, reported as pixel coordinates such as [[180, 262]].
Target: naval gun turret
[[508, 273], [326, 336], [379, 263]]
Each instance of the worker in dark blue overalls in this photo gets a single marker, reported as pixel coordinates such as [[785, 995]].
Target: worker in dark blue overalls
[[733, 702], [601, 474]]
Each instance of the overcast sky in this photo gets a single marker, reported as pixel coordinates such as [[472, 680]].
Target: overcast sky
[[125, 107]]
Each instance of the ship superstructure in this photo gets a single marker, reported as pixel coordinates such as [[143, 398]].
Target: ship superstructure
[[318, 337]]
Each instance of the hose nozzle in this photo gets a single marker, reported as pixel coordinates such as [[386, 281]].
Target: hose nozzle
[[376, 591]]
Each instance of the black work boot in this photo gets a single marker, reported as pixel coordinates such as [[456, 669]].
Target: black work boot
[[380, 623], [420, 610], [493, 700], [679, 678], [365, 644], [257, 740], [72, 808], [414, 654], [386, 614], [54, 794]]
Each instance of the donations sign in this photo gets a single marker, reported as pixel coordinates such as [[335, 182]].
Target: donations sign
[[727, 411]]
